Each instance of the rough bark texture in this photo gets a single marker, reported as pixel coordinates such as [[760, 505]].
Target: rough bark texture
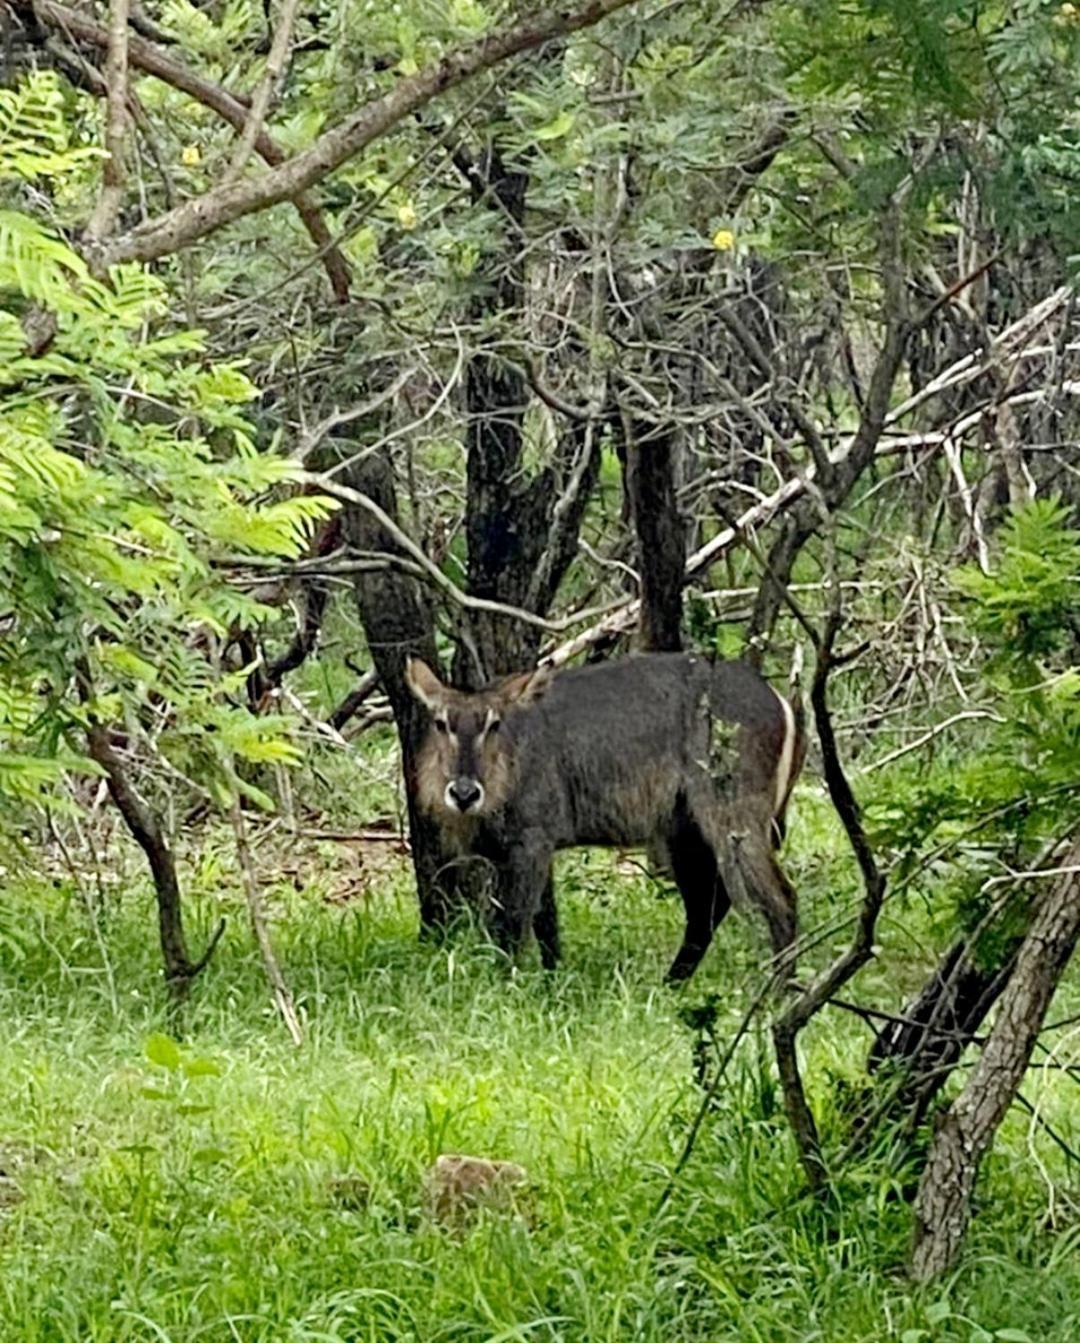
[[652, 478], [504, 518], [399, 625], [521, 529], [942, 1208], [937, 1027]]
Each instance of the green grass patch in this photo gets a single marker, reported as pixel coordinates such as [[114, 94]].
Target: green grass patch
[[197, 1177]]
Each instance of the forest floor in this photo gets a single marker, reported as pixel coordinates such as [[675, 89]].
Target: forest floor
[[234, 1187]]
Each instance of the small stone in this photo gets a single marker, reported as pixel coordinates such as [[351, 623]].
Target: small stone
[[458, 1186]]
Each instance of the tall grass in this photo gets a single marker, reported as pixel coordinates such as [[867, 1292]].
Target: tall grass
[[239, 1188]]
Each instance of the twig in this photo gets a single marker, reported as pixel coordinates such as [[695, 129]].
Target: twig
[[929, 736], [260, 103], [710, 1095], [282, 996], [114, 173], [358, 837]]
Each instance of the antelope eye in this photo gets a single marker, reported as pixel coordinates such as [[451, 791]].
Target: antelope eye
[[494, 724], [441, 725]]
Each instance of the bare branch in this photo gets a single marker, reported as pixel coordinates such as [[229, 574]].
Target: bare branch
[[114, 174], [230, 107], [260, 103], [196, 218], [431, 570]]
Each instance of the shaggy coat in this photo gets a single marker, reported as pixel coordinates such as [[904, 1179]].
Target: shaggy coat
[[692, 757]]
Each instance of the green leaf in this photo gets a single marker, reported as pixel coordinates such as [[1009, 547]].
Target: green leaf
[[201, 1067], [938, 1312], [163, 1051], [557, 127], [208, 1156]]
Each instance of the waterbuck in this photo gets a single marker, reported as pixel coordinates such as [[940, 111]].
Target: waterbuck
[[693, 757]]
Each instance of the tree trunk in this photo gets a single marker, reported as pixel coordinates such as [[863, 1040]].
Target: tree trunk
[[504, 518], [942, 1208], [652, 477], [399, 624], [139, 818], [937, 1027]]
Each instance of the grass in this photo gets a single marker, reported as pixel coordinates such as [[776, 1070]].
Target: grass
[[238, 1188]]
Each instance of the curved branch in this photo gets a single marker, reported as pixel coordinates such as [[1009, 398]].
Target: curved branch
[[196, 218], [114, 174], [232, 108]]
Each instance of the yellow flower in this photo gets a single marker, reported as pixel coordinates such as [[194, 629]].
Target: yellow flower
[[190, 156], [723, 240], [407, 215]]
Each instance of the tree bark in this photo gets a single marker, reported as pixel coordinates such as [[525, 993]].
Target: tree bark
[[521, 530], [139, 817], [504, 513], [942, 1209], [938, 1026], [399, 624], [652, 478]]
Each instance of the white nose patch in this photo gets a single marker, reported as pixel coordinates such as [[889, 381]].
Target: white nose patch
[[453, 804]]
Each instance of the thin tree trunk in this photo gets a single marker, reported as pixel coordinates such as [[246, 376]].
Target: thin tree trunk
[[942, 1208], [139, 817], [282, 997], [652, 470], [399, 624]]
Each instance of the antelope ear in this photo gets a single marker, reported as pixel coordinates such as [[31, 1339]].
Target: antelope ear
[[526, 687], [424, 685]]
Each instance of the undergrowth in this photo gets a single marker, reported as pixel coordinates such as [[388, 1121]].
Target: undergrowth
[[194, 1176]]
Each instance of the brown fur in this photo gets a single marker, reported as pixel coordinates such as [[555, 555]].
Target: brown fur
[[692, 758]]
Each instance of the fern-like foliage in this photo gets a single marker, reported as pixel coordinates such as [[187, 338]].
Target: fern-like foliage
[[34, 133], [130, 478]]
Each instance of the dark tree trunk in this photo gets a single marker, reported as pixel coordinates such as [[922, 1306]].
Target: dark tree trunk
[[652, 478], [505, 512], [399, 624], [937, 1027], [521, 528], [140, 819], [942, 1208]]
